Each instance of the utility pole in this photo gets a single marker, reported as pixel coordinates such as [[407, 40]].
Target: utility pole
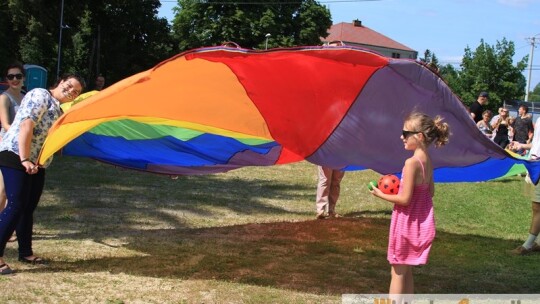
[[60, 41], [532, 41], [266, 44], [98, 58]]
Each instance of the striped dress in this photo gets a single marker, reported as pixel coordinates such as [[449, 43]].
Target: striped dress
[[412, 228]]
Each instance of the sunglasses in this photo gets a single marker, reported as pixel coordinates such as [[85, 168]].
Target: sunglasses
[[408, 133], [11, 76]]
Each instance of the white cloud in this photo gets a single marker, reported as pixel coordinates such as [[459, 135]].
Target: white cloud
[[453, 60]]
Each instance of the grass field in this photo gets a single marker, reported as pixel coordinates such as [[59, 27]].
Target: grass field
[[250, 236]]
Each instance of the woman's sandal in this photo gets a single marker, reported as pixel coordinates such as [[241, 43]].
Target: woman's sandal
[[5, 269], [34, 261]]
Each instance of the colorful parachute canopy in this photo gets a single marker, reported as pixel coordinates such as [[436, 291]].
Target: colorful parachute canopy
[[215, 109]]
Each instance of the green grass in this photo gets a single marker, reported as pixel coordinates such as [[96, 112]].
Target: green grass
[[249, 236]]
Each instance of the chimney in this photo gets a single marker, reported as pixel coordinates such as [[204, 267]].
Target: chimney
[[357, 23]]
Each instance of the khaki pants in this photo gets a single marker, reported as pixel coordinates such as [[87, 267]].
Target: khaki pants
[[328, 189]]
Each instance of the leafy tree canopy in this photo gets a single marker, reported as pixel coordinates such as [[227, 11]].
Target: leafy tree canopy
[[535, 94], [430, 58], [199, 23], [491, 69], [116, 38]]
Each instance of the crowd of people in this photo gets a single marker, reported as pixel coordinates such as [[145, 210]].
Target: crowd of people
[[504, 129], [26, 118], [516, 134]]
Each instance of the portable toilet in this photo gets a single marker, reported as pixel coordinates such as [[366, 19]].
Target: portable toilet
[[36, 77]]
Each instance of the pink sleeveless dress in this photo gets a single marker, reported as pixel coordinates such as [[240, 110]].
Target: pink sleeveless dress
[[412, 228]]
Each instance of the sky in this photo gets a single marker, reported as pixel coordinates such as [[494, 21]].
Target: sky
[[445, 27]]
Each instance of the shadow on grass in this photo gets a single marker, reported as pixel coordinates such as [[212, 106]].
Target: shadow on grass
[[332, 257], [346, 255], [371, 213], [114, 195]]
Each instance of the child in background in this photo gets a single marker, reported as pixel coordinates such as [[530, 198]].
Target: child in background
[[511, 132], [412, 228], [484, 125]]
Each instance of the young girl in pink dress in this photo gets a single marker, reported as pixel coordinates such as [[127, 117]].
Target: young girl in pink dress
[[412, 228]]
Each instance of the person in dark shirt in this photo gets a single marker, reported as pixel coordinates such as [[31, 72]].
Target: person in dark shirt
[[523, 127], [477, 107], [99, 83]]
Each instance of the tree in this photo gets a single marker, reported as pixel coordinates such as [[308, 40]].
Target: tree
[[117, 37], [430, 57], [204, 23], [35, 25], [35, 44], [534, 96], [8, 51], [491, 69], [82, 55], [450, 76], [130, 36]]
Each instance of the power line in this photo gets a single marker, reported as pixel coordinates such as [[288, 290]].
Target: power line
[[522, 46]]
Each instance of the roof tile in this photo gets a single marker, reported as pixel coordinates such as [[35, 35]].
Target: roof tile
[[347, 32]]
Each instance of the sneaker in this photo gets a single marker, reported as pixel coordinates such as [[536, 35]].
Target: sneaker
[[522, 251], [334, 215], [535, 247], [321, 216]]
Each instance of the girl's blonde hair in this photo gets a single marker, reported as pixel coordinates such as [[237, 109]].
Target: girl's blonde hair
[[434, 129]]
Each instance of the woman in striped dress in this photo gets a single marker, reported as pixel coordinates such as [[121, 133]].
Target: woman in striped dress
[[412, 228]]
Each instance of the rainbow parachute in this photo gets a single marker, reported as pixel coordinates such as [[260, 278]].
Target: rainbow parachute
[[216, 109]]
